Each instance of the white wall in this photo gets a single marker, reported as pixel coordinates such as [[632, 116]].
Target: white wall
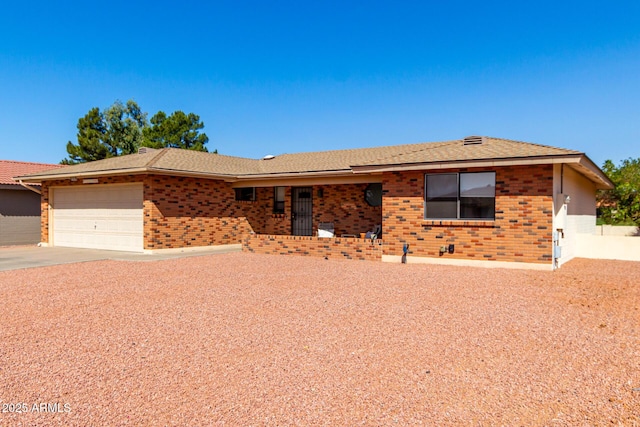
[[578, 217], [626, 248], [617, 230]]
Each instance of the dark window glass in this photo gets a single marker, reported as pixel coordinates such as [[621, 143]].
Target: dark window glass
[[246, 194], [442, 196], [460, 196], [278, 200], [373, 194]]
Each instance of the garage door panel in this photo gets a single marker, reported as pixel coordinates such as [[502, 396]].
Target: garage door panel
[[99, 217]]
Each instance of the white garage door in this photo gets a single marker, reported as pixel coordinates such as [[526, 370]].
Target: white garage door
[[98, 217]]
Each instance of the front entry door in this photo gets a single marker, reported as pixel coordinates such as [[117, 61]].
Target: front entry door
[[301, 211]]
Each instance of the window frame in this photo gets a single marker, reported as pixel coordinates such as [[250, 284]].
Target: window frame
[[458, 216]]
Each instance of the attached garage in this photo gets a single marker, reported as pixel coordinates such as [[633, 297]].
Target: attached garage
[[97, 217]]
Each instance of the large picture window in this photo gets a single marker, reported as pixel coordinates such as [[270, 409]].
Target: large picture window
[[460, 195]]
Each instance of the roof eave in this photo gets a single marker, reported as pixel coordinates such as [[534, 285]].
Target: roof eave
[[582, 162], [593, 172], [34, 179]]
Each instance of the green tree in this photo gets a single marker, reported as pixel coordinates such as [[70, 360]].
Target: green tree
[[622, 203], [125, 124], [91, 131], [179, 130], [116, 131]]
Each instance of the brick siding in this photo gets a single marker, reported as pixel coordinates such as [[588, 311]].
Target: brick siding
[[521, 231], [181, 212], [345, 207]]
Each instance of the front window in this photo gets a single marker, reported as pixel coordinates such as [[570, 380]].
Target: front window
[[278, 200], [460, 195], [247, 194]]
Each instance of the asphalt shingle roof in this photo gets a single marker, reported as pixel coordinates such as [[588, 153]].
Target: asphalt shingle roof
[[171, 160]]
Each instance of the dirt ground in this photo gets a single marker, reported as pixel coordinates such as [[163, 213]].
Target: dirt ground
[[244, 339]]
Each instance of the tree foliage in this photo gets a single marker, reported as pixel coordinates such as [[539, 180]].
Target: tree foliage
[[125, 124], [179, 130], [622, 203], [123, 128]]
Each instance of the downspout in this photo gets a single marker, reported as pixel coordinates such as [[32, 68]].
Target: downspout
[[28, 187]]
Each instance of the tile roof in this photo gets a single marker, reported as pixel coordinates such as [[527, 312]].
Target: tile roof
[[11, 168], [176, 161]]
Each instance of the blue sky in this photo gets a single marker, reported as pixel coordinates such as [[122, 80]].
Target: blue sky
[[282, 77]]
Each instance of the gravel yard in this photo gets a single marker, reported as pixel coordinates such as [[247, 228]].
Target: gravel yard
[[243, 339]]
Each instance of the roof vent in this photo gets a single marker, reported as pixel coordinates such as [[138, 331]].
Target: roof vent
[[145, 150], [269, 157], [473, 140]]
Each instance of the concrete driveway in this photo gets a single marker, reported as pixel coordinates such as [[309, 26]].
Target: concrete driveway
[[19, 257]]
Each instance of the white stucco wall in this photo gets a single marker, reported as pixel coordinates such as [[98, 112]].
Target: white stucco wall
[[578, 217], [625, 248]]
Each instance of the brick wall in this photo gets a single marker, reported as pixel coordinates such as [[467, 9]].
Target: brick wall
[[44, 212], [521, 232], [345, 207], [339, 248], [274, 223], [182, 212]]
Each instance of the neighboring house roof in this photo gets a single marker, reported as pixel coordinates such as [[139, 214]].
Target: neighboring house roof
[[12, 168], [484, 151]]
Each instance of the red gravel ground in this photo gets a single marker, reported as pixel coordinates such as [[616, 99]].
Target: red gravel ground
[[244, 339]]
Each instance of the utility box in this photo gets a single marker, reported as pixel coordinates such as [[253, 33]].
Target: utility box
[[560, 202], [557, 252]]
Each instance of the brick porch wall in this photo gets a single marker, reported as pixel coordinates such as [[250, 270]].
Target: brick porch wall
[[336, 248], [521, 232]]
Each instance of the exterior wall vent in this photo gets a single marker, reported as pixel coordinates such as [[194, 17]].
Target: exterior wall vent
[[145, 150], [473, 140]]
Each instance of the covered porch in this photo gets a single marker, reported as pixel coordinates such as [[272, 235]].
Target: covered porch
[[329, 220]]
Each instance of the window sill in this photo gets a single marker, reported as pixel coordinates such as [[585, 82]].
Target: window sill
[[458, 223]]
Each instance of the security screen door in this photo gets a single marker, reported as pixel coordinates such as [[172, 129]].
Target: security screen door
[[301, 211]]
